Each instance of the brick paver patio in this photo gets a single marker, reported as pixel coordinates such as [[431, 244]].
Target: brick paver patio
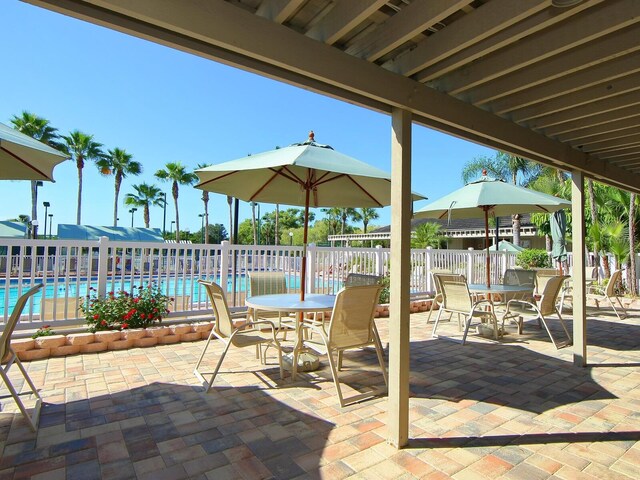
[[513, 409]]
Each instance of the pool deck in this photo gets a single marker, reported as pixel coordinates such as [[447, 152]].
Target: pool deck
[[517, 408]]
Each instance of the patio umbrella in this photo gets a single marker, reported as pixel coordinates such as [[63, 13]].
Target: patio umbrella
[[24, 158], [305, 174], [558, 230], [488, 195], [505, 246]]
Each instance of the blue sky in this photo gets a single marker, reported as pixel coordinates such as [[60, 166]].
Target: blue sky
[[162, 105]]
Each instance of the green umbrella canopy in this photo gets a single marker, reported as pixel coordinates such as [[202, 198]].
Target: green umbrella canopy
[[24, 158], [284, 175], [558, 230], [505, 246], [496, 196]]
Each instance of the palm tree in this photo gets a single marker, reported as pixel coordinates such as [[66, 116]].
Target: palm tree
[[428, 235], [80, 147], [504, 166], [118, 163], [368, 214], [205, 200], [333, 219], [177, 174], [145, 196], [39, 128]]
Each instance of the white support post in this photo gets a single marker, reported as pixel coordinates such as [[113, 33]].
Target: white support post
[[398, 404], [427, 266], [578, 274], [380, 261], [103, 265], [225, 253], [470, 266], [311, 267]]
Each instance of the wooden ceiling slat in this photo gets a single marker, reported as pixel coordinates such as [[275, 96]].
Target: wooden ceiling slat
[[278, 11], [343, 17]]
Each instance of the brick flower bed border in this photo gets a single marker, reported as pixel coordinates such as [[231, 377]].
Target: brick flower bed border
[[60, 345]]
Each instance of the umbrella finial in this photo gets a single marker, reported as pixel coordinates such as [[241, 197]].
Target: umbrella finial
[[312, 136], [484, 172]]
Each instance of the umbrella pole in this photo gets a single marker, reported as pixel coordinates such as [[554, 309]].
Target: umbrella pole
[[303, 267], [486, 239]]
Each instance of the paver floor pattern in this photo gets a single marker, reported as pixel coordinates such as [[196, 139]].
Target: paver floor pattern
[[513, 409]]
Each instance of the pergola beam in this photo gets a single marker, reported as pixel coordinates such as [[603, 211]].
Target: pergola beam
[[342, 18]]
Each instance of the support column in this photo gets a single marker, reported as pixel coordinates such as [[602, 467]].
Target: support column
[[400, 271], [578, 274]]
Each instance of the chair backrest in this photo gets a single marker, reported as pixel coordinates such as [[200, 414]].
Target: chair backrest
[[223, 324], [454, 291], [351, 322], [267, 283], [355, 279], [550, 294], [613, 281], [72, 305], [515, 276], [5, 340]]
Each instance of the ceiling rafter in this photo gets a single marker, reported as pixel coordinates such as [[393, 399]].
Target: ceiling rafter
[[343, 17], [588, 25], [482, 23], [607, 132], [622, 148], [602, 72], [278, 11], [505, 37], [578, 60], [585, 96], [412, 20]]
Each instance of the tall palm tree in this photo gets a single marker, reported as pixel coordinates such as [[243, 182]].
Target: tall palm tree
[[333, 216], [205, 200], [368, 214], [80, 147], [146, 195], [39, 128], [118, 163], [177, 174]]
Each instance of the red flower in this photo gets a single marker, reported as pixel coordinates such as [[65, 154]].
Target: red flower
[[125, 325], [103, 323], [96, 316], [136, 300]]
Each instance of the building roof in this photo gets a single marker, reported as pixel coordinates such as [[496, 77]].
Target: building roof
[[121, 234], [10, 229]]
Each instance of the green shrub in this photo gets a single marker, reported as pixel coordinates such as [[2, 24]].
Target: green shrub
[[44, 331], [384, 293], [533, 258]]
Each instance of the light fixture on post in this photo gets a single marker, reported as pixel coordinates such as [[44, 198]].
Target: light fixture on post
[[46, 206], [291, 238], [164, 213], [50, 225], [201, 215], [132, 211], [172, 223]]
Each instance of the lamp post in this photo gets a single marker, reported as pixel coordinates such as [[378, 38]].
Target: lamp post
[[164, 213], [132, 211], [46, 207], [34, 227], [201, 215], [291, 238], [50, 225], [171, 231]]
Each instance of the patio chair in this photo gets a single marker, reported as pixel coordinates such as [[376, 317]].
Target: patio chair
[[566, 294], [437, 298], [520, 277], [269, 283], [8, 358], [249, 335], [608, 294], [351, 326], [457, 299], [355, 279], [541, 310]]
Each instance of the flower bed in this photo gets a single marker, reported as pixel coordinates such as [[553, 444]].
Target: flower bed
[[60, 345]]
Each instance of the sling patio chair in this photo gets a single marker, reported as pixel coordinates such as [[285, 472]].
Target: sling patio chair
[[436, 301], [253, 333], [520, 277], [351, 326], [457, 299], [270, 283], [355, 279], [541, 310], [608, 294], [8, 357]]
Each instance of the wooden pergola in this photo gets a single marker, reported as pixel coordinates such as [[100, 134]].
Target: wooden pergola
[[554, 81]]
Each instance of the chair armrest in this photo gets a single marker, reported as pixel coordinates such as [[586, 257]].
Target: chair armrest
[[262, 322]]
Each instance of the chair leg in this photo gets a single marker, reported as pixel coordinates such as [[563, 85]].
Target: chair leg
[[33, 419], [615, 310], [379, 350], [334, 373], [466, 329], [435, 325], [431, 309]]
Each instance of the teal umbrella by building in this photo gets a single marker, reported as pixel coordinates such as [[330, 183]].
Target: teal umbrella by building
[[490, 196]]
